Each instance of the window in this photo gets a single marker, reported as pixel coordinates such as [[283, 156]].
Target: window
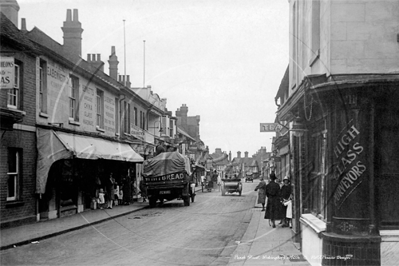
[[135, 116], [317, 197], [141, 120], [14, 161], [171, 128], [116, 116], [294, 43], [43, 86], [126, 118], [13, 100], [74, 99], [100, 108], [315, 50]]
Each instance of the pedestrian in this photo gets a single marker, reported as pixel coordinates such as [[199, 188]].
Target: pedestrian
[[143, 190], [110, 190], [261, 188], [116, 194], [285, 192], [273, 207], [101, 198]]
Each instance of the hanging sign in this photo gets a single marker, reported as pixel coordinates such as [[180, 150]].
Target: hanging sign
[[7, 72], [270, 127]]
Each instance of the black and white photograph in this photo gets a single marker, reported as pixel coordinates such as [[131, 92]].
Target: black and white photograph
[[199, 132]]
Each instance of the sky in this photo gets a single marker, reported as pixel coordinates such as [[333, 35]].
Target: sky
[[224, 59]]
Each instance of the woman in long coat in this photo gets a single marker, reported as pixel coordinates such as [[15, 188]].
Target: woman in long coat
[[273, 208], [261, 188]]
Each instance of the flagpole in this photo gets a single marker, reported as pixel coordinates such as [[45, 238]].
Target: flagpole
[[143, 63], [124, 51]]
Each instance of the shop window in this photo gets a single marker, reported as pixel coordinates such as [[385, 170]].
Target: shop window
[[43, 86], [14, 174], [316, 179], [74, 99], [100, 109], [14, 95]]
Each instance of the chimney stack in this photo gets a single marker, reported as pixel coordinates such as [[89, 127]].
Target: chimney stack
[[229, 156], [128, 83], [72, 34], [238, 154], [95, 62], [113, 64], [246, 154], [10, 9], [23, 25]]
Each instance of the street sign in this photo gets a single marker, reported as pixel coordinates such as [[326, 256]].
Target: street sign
[[7, 72], [270, 127]]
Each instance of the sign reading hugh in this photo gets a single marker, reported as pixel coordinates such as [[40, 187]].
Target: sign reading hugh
[[269, 127], [7, 72]]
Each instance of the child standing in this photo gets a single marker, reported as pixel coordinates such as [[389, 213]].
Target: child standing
[[101, 198]]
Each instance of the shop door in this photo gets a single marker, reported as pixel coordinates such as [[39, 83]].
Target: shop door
[[387, 165]]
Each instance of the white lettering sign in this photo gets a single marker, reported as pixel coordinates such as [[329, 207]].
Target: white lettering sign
[[7, 72]]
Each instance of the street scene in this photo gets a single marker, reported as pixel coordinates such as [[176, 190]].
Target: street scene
[[215, 230], [199, 132]]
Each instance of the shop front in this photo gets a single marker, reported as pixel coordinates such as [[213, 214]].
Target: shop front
[[345, 168], [71, 169]]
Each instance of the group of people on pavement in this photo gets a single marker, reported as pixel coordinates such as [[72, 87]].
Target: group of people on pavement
[[112, 193], [278, 200]]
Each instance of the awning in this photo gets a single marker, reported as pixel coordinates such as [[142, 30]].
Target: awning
[[53, 146]]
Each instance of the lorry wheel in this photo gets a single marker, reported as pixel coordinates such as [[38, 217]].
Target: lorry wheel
[[153, 202], [187, 201]]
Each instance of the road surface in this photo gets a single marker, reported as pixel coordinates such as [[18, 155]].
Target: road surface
[[205, 233]]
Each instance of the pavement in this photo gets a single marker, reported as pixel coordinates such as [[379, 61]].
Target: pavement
[[265, 245], [260, 245]]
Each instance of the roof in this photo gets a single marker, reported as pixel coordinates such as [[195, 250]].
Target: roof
[[284, 85], [9, 32], [184, 133]]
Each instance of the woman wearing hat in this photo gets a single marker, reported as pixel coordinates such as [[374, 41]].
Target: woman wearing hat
[[273, 207], [261, 188], [285, 193]]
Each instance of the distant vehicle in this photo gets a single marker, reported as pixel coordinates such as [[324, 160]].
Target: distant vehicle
[[249, 178], [167, 177], [231, 186]]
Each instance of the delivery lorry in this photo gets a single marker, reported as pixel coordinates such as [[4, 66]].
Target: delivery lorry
[[167, 176]]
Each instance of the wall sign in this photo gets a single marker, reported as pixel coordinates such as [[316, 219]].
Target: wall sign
[[7, 72]]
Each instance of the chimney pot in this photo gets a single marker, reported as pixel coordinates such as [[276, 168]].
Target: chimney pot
[[75, 15], [98, 57], [88, 57], [69, 15], [23, 24]]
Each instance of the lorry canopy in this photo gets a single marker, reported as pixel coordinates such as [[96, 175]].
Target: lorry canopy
[[166, 163]]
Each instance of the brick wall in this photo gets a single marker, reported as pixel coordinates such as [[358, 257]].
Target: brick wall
[[24, 209]]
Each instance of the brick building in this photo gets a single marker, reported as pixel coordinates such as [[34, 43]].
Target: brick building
[[66, 125], [17, 117]]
